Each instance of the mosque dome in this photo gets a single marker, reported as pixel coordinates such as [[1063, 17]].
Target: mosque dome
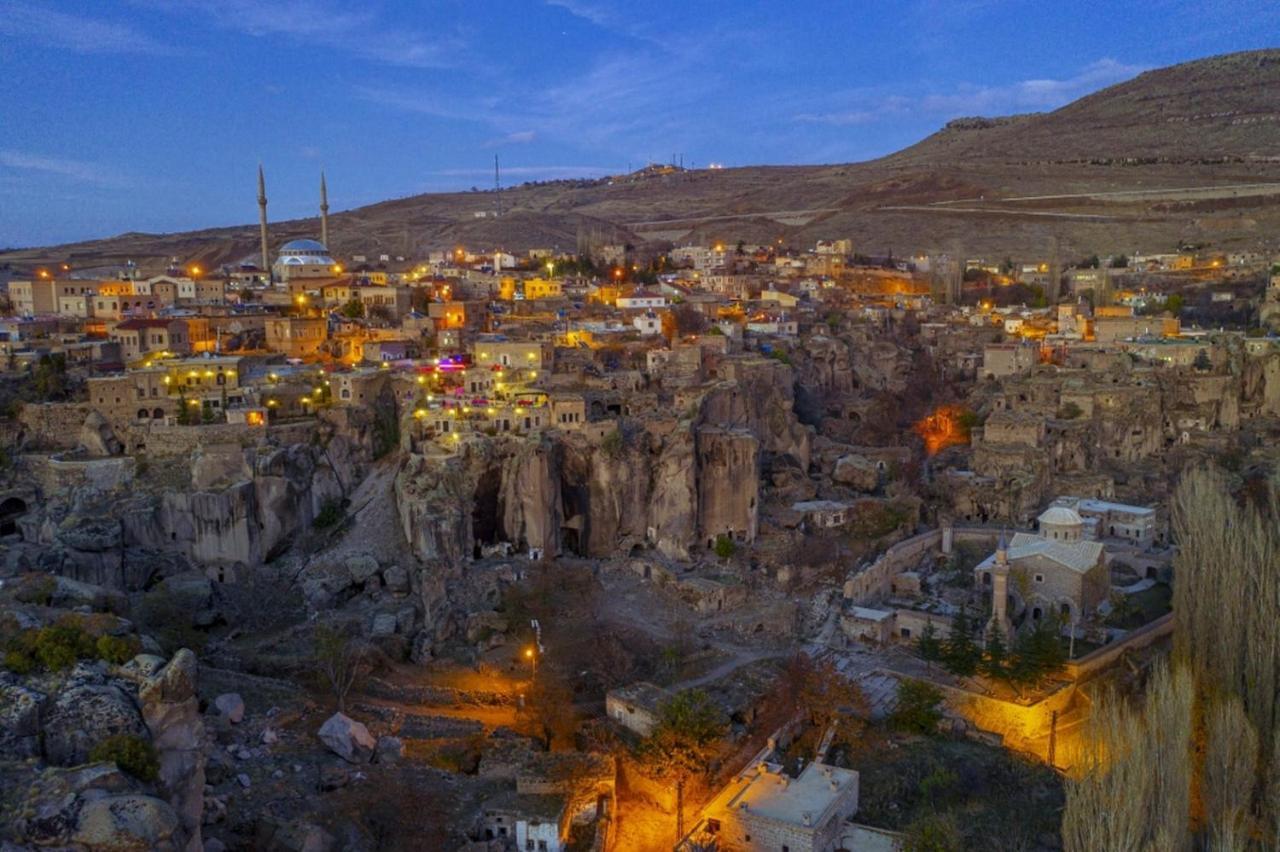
[[304, 252], [1060, 516]]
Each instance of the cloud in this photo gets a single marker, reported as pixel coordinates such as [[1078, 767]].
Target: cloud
[[624, 99], [319, 23], [78, 171], [967, 99], [77, 34], [593, 13]]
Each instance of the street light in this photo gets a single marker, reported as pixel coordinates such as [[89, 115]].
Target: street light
[[532, 657]]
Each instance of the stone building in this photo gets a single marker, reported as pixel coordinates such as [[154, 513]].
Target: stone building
[[635, 706], [1056, 573], [763, 809]]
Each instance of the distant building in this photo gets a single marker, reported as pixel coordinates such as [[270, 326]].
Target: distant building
[[636, 706]]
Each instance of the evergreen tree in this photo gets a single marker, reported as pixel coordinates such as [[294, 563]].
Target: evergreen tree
[[962, 654], [994, 666], [929, 646]]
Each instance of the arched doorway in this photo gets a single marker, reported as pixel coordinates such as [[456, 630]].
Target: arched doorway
[[11, 509]]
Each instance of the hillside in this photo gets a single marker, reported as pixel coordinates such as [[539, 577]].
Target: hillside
[[1185, 153]]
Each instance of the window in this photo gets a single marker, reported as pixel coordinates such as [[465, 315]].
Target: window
[[1039, 578]]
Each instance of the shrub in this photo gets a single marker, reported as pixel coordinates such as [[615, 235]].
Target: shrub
[[36, 589], [329, 515], [116, 649], [19, 663], [934, 833], [725, 546], [133, 754], [612, 444], [59, 646]]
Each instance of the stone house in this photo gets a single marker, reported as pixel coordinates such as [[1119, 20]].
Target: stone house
[[635, 706], [763, 809], [533, 822]]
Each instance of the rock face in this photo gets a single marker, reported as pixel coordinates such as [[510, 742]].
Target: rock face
[[244, 506], [126, 823], [347, 738], [97, 806], [79, 718], [97, 438], [856, 472], [19, 721]]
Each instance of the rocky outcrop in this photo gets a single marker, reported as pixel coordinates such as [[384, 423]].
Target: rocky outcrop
[[172, 714], [77, 719], [59, 719], [97, 439]]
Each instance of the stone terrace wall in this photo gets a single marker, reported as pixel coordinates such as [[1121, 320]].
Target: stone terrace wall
[[54, 425], [875, 581]]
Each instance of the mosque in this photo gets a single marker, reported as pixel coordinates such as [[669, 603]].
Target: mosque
[[297, 259]]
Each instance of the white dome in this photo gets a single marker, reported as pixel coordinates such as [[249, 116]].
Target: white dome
[[1060, 516]]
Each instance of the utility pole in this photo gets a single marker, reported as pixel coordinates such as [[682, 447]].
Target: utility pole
[[497, 188]]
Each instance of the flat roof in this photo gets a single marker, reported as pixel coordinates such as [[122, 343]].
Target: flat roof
[[775, 795]]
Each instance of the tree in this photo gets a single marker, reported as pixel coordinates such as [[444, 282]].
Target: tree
[[1120, 261], [353, 309], [725, 547], [690, 320], [961, 653], [916, 710], [1174, 304], [831, 699], [49, 379], [548, 710], [1202, 362], [684, 740], [1037, 654], [929, 647], [339, 658], [993, 665]]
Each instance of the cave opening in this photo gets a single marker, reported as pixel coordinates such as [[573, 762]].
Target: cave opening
[[484, 509], [10, 510]]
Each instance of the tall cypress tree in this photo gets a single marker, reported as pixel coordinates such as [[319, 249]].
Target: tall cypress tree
[[962, 654]]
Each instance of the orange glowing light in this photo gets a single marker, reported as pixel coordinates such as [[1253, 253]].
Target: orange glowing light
[[947, 426]]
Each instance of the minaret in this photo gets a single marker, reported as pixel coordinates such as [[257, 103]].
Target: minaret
[[262, 219], [1000, 590], [324, 212]]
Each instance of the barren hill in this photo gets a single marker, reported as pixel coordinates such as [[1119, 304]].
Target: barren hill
[[1186, 153]]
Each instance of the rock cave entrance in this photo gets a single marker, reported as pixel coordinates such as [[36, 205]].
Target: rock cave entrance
[[573, 537], [484, 510], [10, 510]]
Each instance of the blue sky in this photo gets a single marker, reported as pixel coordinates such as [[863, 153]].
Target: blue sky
[[152, 115]]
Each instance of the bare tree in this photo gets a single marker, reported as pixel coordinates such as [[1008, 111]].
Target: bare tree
[[340, 660]]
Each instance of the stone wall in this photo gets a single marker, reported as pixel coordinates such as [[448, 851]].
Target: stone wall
[[56, 475], [53, 425]]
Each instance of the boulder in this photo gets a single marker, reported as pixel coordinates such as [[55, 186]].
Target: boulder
[[144, 666], [347, 738], [83, 716], [126, 823], [389, 750], [19, 721], [175, 682], [405, 617], [857, 472], [231, 705], [296, 836], [97, 438], [396, 579], [384, 624], [361, 567]]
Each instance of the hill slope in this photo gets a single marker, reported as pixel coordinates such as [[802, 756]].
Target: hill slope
[[1185, 153]]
